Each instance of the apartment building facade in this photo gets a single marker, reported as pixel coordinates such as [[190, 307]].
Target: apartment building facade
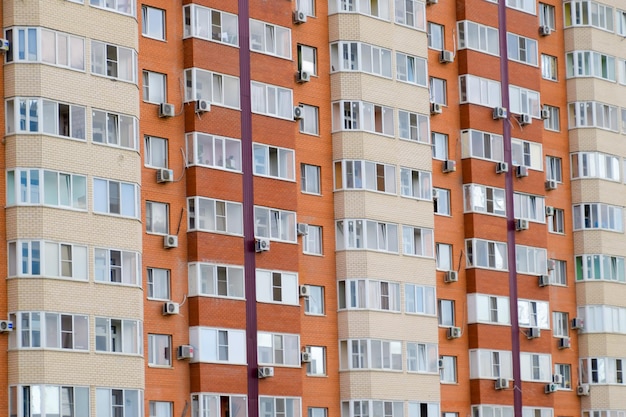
[[313, 208]]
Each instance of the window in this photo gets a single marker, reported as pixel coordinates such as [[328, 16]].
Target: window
[[365, 175], [279, 407], [590, 64], [272, 101], [215, 216], [413, 126], [483, 145], [277, 287], [119, 6], [482, 199], [595, 165], [588, 13], [529, 207], [598, 216], [410, 13], [481, 91], [417, 409], [317, 366], [309, 124], [558, 274], [447, 373], [218, 345], [357, 115], [422, 357], [47, 260], [535, 368], [270, 161], [47, 46], [527, 6], [411, 69], [314, 303], [490, 410], [219, 404], [522, 49], [488, 309], [553, 168], [159, 350], [416, 184], [442, 201], [219, 89], [593, 114], [279, 349], [270, 39], [46, 330], [116, 198], [317, 412], [212, 25], [417, 241], [533, 313], [153, 22], [478, 37], [160, 409], [369, 294], [158, 283], [35, 115], [560, 324], [600, 267], [371, 354], [556, 223], [116, 266], [547, 15], [154, 87], [275, 224], [446, 313], [548, 67], [436, 36], [440, 146], [157, 218], [213, 151], [444, 256], [438, 91], [621, 22], [312, 241], [115, 129], [113, 61], [369, 7], [528, 154], [308, 7], [524, 101], [552, 122], [367, 234], [357, 56], [489, 364], [419, 299], [307, 59], [27, 400], [486, 254], [216, 280], [602, 371], [566, 372], [155, 152], [120, 336], [32, 186]]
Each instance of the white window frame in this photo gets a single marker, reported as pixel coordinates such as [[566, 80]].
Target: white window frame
[[595, 165], [47, 259], [361, 57], [446, 314], [536, 367], [279, 349], [443, 257], [420, 299], [411, 69], [378, 354], [422, 358], [71, 399], [127, 198], [280, 406], [487, 42], [314, 304], [440, 145], [437, 91], [153, 22], [533, 313], [274, 162], [556, 223], [448, 373], [593, 114], [275, 224], [199, 23], [522, 49], [216, 280], [490, 364], [158, 283], [524, 101], [309, 124], [317, 365], [416, 184], [590, 64], [558, 274], [49, 330], [526, 153], [478, 198], [413, 16], [220, 89], [480, 91], [154, 87], [51, 47], [588, 13], [482, 145], [27, 115], [126, 333], [609, 267], [48, 188], [598, 216], [115, 66], [270, 39], [560, 324], [362, 234], [553, 122], [529, 207], [114, 129], [155, 152], [496, 254], [310, 176], [365, 175], [360, 115], [549, 67], [436, 36], [215, 216], [126, 7], [115, 266], [441, 201], [157, 218], [312, 242], [547, 13], [413, 126], [531, 260], [159, 350], [277, 287], [488, 309], [213, 151], [369, 294], [218, 345]]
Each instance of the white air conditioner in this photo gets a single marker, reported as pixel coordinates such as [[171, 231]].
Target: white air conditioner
[[502, 167], [436, 108], [266, 371], [564, 343], [549, 211], [533, 332], [550, 388], [449, 166], [6, 326], [521, 171], [502, 383], [435, 194], [203, 106], [170, 308], [262, 244], [299, 16], [164, 175], [446, 57], [545, 30], [432, 1], [185, 352], [298, 112], [303, 76], [583, 389], [454, 332], [545, 113], [440, 363], [167, 110], [451, 276], [170, 241], [499, 113], [551, 264], [577, 323], [303, 229], [525, 119], [551, 185], [521, 224], [305, 290], [544, 280], [4, 45], [557, 378], [305, 357]]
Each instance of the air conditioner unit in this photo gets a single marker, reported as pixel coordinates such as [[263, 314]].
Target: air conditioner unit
[[436, 108], [4, 45], [557, 378], [533, 332], [305, 290], [303, 76], [521, 224], [440, 363], [502, 383], [454, 332], [303, 229], [577, 323], [449, 166], [582, 389], [502, 167], [545, 30], [549, 211], [435, 194], [185, 352], [525, 119], [170, 308], [551, 185], [167, 110], [164, 175], [170, 241], [521, 171], [432, 1], [266, 371], [499, 113], [551, 264], [544, 280], [262, 245], [451, 276], [203, 106], [6, 326], [305, 357], [545, 113], [446, 57], [299, 17], [564, 343], [298, 112], [550, 388]]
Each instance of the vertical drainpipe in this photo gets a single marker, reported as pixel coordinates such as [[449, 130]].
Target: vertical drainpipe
[[510, 217], [248, 207]]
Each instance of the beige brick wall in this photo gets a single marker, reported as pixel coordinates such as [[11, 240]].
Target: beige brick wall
[[385, 386], [392, 267], [377, 325]]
